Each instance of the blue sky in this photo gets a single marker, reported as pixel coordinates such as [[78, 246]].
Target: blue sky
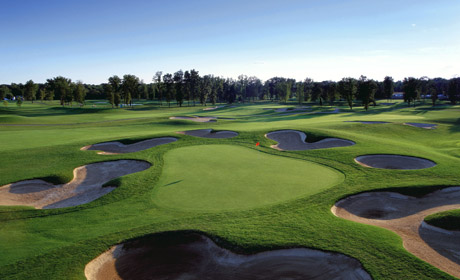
[[325, 40]]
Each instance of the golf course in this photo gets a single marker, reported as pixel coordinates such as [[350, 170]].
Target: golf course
[[88, 192]]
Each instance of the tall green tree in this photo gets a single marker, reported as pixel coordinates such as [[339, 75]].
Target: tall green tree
[[453, 90], [347, 88], [129, 88], [308, 88], [179, 87], [109, 94], [42, 94], [206, 89], [79, 93], [388, 87], [187, 86], [158, 86], [4, 92], [410, 90], [366, 91], [168, 82], [195, 85], [61, 88], [30, 91]]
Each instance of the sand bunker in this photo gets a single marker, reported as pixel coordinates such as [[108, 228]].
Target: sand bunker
[[209, 133], [293, 140], [85, 187], [394, 162], [423, 125], [212, 108], [110, 148], [195, 119], [367, 122], [194, 256], [404, 215]]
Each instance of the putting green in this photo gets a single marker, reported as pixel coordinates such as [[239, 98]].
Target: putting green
[[227, 177]]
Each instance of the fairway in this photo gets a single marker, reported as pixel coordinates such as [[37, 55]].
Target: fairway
[[225, 177], [247, 198]]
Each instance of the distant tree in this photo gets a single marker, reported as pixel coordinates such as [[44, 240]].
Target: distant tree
[[168, 82], [187, 86], [388, 87], [4, 92], [195, 85], [308, 88], [61, 88], [79, 93], [116, 99], [19, 101], [144, 90], [157, 82], [5, 103], [129, 88], [179, 86], [17, 90], [410, 88], [347, 89], [49, 94], [108, 90], [317, 93], [42, 94], [366, 91], [433, 92], [206, 89], [30, 91], [300, 91], [453, 90], [330, 88]]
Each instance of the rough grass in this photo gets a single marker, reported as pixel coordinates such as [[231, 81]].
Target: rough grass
[[57, 243]]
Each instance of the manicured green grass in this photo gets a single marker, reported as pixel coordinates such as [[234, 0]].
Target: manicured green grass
[[449, 220], [228, 177], [57, 243]]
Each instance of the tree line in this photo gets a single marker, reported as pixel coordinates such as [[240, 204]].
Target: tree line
[[190, 88]]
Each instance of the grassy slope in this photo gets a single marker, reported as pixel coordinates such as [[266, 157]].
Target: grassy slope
[[57, 243], [449, 220]]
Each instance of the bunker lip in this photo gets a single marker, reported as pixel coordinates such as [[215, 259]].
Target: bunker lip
[[388, 161], [422, 125], [195, 119], [293, 140], [115, 147], [179, 255], [209, 133], [404, 215], [85, 187]]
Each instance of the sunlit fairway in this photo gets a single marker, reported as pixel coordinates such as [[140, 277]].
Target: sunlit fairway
[[228, 177], [250, 198]]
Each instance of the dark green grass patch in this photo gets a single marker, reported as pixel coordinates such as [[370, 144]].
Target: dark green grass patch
[[449, 220]]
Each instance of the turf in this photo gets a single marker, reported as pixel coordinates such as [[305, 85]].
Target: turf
[[228, 177], [449, 220], [45, 142]]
